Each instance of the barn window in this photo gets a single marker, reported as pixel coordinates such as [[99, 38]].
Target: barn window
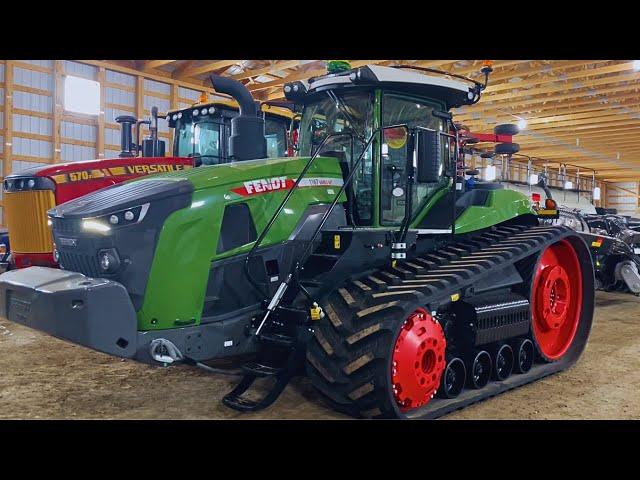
[[81, 95]]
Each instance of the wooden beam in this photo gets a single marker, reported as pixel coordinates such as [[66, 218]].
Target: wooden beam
[[173, 104], [139, 111], [180, 69], [209, 67], [7, 166], [58, 108], [151, 64], [157, 76], [582, 73], [100, 129], [269, 68]]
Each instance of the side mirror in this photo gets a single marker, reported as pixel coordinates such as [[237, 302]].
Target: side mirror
[[197, 161], [428, 156]]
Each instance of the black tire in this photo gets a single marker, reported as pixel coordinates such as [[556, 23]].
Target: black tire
[[506, 129], [452, 387], [479, 369], [507, 148], [503, 362], [349, 360]]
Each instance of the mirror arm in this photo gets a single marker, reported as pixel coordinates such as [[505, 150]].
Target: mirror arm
[[456, 156]]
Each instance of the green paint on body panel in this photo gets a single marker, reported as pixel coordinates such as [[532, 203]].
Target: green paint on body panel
[[188, 240], [501, 205]]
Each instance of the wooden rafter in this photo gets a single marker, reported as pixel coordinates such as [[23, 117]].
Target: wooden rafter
[[208, 67], [150, 64]]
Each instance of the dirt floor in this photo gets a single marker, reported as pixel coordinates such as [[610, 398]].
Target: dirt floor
[[42, 377]]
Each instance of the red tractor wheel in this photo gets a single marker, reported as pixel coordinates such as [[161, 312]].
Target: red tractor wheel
[[418, 360], [556, 300]]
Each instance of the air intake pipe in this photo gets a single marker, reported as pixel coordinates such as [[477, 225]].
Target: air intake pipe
[[247, 141], [126, 140]]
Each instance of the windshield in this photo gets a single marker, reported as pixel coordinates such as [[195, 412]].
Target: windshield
[[201, 139], [350, 113]]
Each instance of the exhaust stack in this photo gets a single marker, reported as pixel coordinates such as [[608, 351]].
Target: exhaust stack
[[247, 140], [126, 140]]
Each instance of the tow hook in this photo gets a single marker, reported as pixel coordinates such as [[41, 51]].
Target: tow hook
[[164, 351]]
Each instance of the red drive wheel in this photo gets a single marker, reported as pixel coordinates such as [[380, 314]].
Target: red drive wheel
[[556, 300], [418, 360]]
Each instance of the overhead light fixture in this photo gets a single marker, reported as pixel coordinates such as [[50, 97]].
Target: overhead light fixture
[[596, 193], [636, 64], [490, 173], [568, 185], [522, 124]]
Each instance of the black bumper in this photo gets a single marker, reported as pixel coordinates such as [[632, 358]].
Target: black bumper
[[99, 314], [96, 313]]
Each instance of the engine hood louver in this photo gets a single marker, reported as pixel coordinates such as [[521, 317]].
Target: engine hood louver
[[121, 196]]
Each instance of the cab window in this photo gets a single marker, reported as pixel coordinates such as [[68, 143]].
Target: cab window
[[275, 131], [200, 139], [397, 110], [349, 113]]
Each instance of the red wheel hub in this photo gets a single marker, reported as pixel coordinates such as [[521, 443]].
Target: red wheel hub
[[556, 300], [418, 360]]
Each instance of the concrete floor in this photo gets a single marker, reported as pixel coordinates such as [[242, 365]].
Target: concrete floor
[[42, 377]]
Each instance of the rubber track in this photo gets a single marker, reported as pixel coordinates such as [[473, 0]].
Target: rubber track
[[347, 360]]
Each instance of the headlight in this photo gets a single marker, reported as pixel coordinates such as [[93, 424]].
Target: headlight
[[108, 260], [56, 255], [122, 218]]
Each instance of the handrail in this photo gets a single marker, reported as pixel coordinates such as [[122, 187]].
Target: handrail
[[273, 219]]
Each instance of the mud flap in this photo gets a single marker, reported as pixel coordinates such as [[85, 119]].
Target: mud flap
[[95, 313]]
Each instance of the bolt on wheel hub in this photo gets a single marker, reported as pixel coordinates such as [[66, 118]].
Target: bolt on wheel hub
[[556, 295], [418, 360], [556, 299]]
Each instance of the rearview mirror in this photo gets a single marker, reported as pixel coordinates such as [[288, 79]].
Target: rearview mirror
[[428, 156]]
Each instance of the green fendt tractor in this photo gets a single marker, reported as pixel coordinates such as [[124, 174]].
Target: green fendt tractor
[[365, 262]]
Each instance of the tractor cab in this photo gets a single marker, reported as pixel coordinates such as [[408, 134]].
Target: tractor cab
[[393, 126], [202, 131]]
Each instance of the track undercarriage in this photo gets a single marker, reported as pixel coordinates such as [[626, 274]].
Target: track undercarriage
[[439, 331]]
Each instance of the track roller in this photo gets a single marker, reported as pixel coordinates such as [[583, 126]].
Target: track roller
[[453, 378], [503, 363], [524, 355], [480, 370]]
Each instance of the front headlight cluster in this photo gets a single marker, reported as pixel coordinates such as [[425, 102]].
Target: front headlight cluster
[[121, 218], [20, 184]]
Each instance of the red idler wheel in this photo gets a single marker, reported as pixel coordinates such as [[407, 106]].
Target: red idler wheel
[[418, 360], [556, 300]]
